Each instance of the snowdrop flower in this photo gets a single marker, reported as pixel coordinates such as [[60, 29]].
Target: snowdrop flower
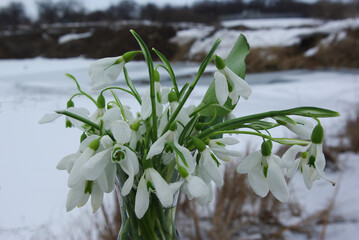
[[151, 181], [68, 161], [228, 84], [312, 160], [170, 137], [303, 127], [193, 186], [208, 162], [217, 146], [80, 193], [82, 112], [105, 161], [81, 188], [105, 71], [264, 173]]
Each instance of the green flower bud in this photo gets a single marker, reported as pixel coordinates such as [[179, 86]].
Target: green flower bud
[[182, 171], [129, 56], [266, 148], [83, 137], [70, 103], [173, 126], [219, 63], [199, 144], [318, 134], [101, 102], [95, 144], [172, 97], [157, 76]]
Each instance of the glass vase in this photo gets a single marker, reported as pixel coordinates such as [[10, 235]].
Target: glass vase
[[157, 224]]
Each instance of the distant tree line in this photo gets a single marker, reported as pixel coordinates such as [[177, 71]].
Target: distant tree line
[[203, 11]]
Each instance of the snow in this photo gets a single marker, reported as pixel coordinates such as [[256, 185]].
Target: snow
[[271, 23], [73, 36], [267, 33]]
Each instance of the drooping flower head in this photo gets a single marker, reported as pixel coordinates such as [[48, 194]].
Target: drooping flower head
[[228, 84], [105, 71], [264, 173]]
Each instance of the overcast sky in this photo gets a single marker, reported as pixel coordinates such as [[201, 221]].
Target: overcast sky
[[30, 5]]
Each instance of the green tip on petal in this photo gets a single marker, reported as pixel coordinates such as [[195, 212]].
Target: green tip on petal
[[83, 137], [101, 102], [70, 103], [95, 144], [88, 187], [304, 155], [68, 124], [219, 63], [199, 144], [317, 134], [129, 56], [266, 148], [182, 171]]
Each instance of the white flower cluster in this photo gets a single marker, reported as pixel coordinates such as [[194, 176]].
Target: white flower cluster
[[122, 143]]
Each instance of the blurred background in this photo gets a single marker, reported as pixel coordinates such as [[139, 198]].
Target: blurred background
[[303, 52]]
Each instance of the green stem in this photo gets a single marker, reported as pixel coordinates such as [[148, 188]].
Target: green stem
[[84, 120], [80, 90], [203, 66]]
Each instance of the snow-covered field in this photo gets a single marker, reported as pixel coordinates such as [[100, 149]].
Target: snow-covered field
[[262, 33], [33, 192]]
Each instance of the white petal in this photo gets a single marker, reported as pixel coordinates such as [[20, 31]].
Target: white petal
[[142, 199], [82, 112], [290, 155], [196, 186], [110, 172], [276, 182], [49, 117], [188, 157], [121, 131], [251, 161], [96, 197], [146, 108], [225, 140], [240, 85], [111, 115], [293, 168], [102, 182], [211, 168], [258, 182], [76, 172], [67, 162], [176, 186], [303, 128], [85, 143], [221, 87], [95, 166], [74, 197], [158, 146], [163, 191]]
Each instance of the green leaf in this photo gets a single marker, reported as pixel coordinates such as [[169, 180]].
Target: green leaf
[[261, 125], [282, 120], [313, 112], [168, 69]]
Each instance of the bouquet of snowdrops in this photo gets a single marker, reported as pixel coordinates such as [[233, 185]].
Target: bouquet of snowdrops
[[171, 146]]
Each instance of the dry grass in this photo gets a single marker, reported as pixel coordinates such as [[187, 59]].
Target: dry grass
[[352, 132]]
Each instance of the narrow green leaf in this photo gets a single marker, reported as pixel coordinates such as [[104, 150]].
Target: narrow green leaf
[[169, 70], [313, 112], [131, 86], [284, 120]]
